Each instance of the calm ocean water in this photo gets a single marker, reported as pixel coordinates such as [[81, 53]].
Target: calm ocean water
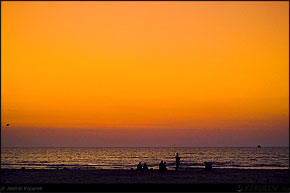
[[126, 158]]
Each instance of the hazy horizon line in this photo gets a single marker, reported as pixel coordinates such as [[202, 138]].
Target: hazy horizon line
[[148, 147]]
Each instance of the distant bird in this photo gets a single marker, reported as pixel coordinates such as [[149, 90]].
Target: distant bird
[[259, 146], [7, 125]]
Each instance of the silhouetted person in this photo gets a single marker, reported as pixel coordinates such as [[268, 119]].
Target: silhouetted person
[[145, 167], [161, 165], [177, 158], [139, 167], [208, 165], [164, 166]]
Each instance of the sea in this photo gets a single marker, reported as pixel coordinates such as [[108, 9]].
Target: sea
[[126, 158]]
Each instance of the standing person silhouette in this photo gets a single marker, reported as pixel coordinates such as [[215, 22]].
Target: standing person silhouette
[[177, 161]]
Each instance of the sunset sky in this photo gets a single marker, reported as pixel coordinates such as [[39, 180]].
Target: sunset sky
[[144, 73]]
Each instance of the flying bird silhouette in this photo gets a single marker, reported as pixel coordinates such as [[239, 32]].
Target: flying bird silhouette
[[7, 125]]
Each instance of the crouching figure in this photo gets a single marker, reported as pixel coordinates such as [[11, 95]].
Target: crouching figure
[[208, 166]]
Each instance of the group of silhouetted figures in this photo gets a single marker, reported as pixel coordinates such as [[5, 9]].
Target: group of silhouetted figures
[[144, 168], [162, 165]]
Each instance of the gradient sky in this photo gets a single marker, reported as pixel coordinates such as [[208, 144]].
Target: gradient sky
[[145, 73]]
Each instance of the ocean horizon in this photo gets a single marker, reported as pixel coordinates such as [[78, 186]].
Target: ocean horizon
[[128, 157]]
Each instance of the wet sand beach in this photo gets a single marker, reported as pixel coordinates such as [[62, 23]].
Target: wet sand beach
[[186, 176]]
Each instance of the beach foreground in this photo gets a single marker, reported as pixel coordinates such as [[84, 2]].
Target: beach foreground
[[186, 176]]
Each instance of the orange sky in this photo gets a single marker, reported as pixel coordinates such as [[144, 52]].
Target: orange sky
[[190, 68]]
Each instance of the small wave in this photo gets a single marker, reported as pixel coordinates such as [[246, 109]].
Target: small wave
[[197, 164], [268, 165], [23, 164]]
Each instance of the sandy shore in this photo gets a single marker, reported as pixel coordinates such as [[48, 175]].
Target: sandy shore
[[188, 176]]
